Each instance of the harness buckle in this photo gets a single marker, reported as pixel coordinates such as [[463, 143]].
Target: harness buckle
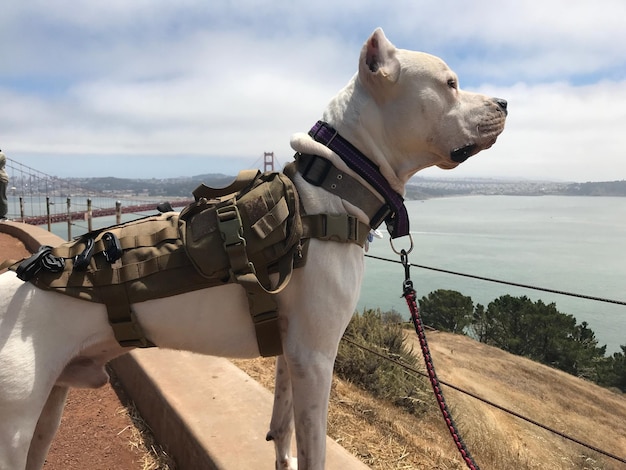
[[230, 225], [316, 170], [43, 259], [338, 227], [81, 260], [112, 247]]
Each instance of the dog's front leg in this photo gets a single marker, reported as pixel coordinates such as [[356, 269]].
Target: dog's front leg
[[281, 427], [311, 378], [316, 307], [47, 426]]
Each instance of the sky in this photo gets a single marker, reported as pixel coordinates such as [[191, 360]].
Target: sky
[[161, 88]]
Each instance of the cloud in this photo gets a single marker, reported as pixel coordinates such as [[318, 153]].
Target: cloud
[[157, 78]]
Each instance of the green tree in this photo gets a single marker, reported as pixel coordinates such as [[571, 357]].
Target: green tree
[[447, 310], [614, 375], [542, 333]]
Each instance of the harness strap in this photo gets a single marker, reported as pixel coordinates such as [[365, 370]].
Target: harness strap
[[122, 318], [321, 172], [276, 216], [342, 228], [263, 308], [264, 312], [168, 232], [120, 274], [9, 263]]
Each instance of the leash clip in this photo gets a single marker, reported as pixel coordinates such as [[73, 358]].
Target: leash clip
[[407, 285]]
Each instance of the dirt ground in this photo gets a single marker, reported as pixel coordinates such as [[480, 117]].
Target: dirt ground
[[96, 429], [96, 432]]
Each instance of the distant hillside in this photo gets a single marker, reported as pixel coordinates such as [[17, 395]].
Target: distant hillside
[[179, 187], [422, 188], [418, 188], [611, 188]]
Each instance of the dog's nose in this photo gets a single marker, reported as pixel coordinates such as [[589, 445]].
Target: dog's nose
[[502, 103]]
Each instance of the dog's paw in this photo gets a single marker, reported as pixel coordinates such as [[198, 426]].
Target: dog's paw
[[290, 463]]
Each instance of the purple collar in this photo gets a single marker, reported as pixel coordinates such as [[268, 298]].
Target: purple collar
[[398, 220]]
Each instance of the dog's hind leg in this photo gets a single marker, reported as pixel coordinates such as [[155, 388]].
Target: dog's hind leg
[[18, 421], [281, 426], [46, 427]]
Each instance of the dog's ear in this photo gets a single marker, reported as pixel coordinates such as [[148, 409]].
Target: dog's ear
[[378, 59]]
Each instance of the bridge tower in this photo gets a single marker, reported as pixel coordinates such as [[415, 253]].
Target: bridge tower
[[268, 161]]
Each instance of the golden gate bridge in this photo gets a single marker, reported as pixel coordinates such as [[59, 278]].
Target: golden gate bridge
[[38, 198]]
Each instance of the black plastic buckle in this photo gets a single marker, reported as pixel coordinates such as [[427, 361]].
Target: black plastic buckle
[[316, 170], [52, 263], [164, 207], [112, 247], [42, 259], [81, 261]]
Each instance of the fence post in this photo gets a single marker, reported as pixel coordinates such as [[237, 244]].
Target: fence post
[[89, 215], [48, 217], [22, 208], [69, 219], [118, 212]]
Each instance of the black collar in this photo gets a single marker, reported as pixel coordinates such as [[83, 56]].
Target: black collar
[[398, 219]]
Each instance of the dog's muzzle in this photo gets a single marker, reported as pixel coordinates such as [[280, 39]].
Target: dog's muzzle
[[459, 155], [463, 153]]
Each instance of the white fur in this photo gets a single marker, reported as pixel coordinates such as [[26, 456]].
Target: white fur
[[404, 113]]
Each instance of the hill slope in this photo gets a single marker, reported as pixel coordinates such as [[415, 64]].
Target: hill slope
[[387, 438], [565, 403]]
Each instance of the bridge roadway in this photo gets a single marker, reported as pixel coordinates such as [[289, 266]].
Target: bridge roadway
[[103, 212]]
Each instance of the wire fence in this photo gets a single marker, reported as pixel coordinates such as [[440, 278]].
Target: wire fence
[[36, 197], [409, 368]]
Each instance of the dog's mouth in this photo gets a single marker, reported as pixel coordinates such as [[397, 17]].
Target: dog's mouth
[[459, 155]]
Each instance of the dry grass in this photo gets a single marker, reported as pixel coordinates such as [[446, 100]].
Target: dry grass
[[386, 438], [141, 438]]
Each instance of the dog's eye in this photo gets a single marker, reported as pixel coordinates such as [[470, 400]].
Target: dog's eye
[[452, 83]]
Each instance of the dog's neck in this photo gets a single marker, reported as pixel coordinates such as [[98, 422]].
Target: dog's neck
[[355, 114], [323, 133]]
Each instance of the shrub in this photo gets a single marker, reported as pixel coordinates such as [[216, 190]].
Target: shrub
[[384, 379]]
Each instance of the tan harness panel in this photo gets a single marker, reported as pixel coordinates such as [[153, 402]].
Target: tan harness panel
[[242, 234]]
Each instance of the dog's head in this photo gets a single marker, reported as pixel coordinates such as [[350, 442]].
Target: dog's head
[[420, 112]]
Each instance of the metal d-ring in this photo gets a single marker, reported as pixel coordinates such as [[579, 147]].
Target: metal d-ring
[[400, 252]]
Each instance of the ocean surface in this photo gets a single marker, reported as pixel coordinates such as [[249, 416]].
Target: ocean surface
[[573, 244]]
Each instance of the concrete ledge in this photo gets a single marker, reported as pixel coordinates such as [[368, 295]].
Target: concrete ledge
[[30, 235], [206, 412]]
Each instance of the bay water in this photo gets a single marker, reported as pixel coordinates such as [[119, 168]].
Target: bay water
[[573, 244]]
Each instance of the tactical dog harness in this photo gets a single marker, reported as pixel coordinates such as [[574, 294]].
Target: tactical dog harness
[[243, 233]]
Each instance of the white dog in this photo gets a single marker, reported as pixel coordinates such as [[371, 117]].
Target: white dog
[[404, 111]]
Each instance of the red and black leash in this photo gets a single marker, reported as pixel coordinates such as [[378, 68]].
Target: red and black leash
[[411, 300]]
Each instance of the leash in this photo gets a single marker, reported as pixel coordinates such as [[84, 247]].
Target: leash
[[411, 300]]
